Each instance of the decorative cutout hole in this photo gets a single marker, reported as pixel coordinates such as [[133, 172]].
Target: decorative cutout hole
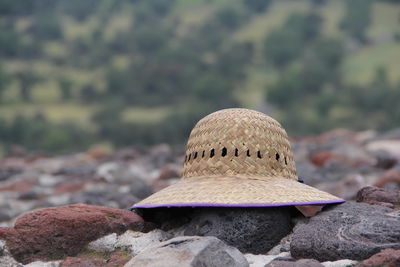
[[195, 155], [285, 161], [212, 153], [259, 154], [248, 153], [203, 154], [236, 152], [189, 157], [224, 152], [277, 156]]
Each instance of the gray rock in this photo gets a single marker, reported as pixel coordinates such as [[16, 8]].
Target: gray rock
[[262, 260], [348, 231], [5, 256], [136, 242], [191, 251], [251, 230], [340, 263], [299, 263]]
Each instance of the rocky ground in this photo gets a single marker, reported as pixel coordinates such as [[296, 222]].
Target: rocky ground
[[42, 226]]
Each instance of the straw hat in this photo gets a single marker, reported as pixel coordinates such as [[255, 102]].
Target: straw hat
[[238, 158]]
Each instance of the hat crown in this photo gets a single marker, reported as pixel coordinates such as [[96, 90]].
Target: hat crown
[[238, 142]]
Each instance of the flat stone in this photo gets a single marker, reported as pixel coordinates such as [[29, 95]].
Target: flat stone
[[190, 251], [251, 230], [53, 233], [347, 231]]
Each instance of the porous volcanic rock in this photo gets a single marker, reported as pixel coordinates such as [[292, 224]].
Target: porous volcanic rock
[[53, 233], [379, 196], [190, 251], [251, 230], [347, 231], [387, 257]]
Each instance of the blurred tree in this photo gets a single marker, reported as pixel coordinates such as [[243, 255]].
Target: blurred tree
[[65, 85], [79, 9], [357, 18], [4, 81], [16, 7], [214, 89], [229, 17], [257, 6], [46, 26], [27, 80], [9, 41], [88, 93], [285, 44]]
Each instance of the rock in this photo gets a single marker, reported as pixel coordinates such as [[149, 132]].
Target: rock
[[136, 242], [321, 157], [389, 146], [83, 262], [345, 188], [385, 160], [309, 210], [5, 212], [113, 260], [339, 263], [387, 257], [106, 243], [190, 251], [44, 264], [283, 246], [251, 230], [379, 196], [299, 263], [5, 257], [69, 187], [347, 231], [262, 260], [53, 233], [161, 154], [139, 188], [98, 152], [169, 171], [390, 176]]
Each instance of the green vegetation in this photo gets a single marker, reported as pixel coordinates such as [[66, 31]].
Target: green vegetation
[[74, 73]]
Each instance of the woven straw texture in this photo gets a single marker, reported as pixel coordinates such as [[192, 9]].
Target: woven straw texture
[[238, 156]]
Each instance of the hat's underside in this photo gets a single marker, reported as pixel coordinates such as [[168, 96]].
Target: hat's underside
[[237, 192]]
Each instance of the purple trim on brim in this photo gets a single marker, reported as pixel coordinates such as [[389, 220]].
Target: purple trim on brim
[[238, 205]]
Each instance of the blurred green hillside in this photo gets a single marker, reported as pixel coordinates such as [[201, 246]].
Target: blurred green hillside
[[74, 73]]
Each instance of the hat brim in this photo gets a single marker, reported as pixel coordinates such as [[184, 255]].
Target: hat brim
[[237, 192]]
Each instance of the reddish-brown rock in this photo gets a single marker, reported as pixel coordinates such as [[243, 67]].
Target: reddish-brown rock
[[19, 186], [320, 158], [388, 257], [390, 176], [69, 187], [169, 172], [53, 233], [379, 196]]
